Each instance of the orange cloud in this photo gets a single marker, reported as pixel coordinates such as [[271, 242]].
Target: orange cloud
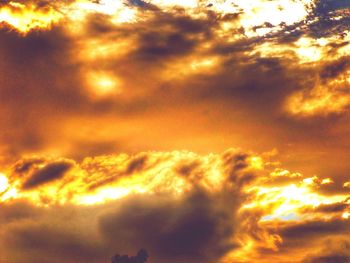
[[233, 176], [86, 79], [25, 17]]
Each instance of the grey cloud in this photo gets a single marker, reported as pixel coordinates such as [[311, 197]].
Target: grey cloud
[[56, 234], [315, 229], [197, 228], [332, 208], [334, 251], [50, 172]]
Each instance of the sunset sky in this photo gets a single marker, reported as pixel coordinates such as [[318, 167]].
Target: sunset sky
[[204, 131]]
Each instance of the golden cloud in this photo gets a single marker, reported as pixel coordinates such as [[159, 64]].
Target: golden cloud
[[259, 197], [85, 79]]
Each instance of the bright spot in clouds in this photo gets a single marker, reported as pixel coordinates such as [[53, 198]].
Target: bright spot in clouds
[[103, 84], [3, 183], [116, 117]]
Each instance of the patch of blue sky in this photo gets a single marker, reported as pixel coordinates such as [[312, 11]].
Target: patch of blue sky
[[287, 217]]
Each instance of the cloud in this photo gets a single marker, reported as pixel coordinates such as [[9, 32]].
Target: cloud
[[141, 257], [83, 81], [334, 251], [333, 207], [316, 228], [93, 69], [191, 229], [179, 206], [197, 225], [41, 234], [48, 173]]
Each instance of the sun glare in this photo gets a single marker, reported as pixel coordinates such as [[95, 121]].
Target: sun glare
[[3, 183], [24, 18], [103, 84]]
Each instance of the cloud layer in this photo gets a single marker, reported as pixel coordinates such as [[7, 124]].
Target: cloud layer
[[180, 206], [104, 104]]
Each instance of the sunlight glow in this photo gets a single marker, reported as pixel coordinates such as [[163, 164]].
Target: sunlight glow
[[346, 215], [322, 100], [287, 202], [103, 84], [26, 17], [3, 183]]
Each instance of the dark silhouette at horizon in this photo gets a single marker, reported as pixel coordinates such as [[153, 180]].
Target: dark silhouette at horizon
[[141, 257]]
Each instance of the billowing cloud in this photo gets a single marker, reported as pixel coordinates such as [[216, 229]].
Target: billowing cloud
[[180, 206], [121, 64], [333, 251], [50, 172], [114, 113]]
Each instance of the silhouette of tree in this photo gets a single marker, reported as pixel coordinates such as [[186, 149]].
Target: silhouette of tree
[[141, 257]]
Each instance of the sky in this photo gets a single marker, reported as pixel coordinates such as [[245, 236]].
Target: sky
[[203, 131]]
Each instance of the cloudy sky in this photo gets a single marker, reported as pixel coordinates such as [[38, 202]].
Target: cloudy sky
[[204, 131]]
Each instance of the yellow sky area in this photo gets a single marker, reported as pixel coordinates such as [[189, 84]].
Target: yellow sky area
[[249, 247], [102, 84], [322, 100], [190, 66], [201, 128], [102, 178], [95, 53], [91, 49], [327, 96], [252, 13], [107, 178], [77, 132], [117, 11], [184, 127], [26, 17], [187, 4], [257, 13], [305, 50], [276, 206], [3, 183], [288, 202]]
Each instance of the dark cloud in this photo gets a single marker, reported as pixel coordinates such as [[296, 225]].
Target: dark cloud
[[325, 6], [335, 68], [334, 251], [37, 86], [17, 211], [136, 164], [46, 105], [42, 83], [197, 228], [141, 257], [202, 224], [36, 234], [300, 237], [332, 258], [26, 165], [315, 228], [332, 208], [48, 173], [187, 169]]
